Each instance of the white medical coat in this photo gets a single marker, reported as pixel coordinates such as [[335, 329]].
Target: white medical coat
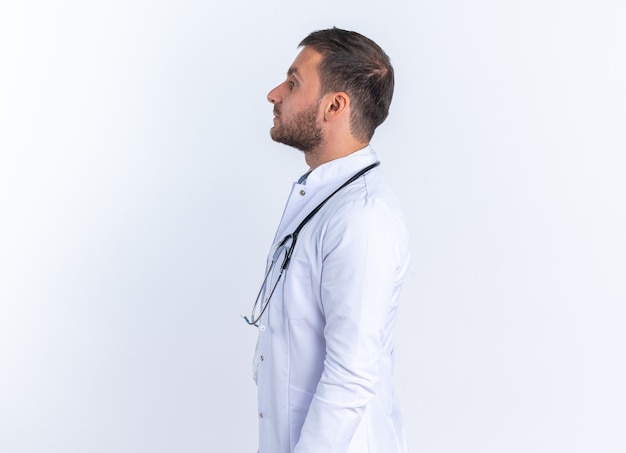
[[324, 357]]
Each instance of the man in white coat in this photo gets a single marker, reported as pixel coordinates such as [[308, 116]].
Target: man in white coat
[[327, 307]]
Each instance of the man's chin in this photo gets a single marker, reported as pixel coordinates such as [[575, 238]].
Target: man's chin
[[276, 135]]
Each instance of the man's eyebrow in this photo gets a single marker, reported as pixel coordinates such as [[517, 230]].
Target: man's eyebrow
[[293, 71]]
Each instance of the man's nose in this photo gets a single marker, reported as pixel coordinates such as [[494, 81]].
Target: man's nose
[[274, 96]]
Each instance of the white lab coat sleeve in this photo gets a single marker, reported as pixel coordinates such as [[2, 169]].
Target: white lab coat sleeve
[[362, 252]]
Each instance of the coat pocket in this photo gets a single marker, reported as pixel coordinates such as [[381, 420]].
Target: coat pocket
[[299, 403]]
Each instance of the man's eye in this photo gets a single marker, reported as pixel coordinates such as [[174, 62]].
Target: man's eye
[[292, 83]]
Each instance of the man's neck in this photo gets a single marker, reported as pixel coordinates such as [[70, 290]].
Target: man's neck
[[320, 156]]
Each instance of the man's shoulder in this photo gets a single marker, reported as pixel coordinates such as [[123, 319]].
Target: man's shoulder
[[367, 203]]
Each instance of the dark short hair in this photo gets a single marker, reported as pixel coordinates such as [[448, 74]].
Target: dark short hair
[[357, 66]]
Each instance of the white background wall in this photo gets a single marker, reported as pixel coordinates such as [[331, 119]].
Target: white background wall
[[139, 192]]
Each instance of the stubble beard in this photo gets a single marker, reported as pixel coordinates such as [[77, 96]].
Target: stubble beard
[[302, 132]]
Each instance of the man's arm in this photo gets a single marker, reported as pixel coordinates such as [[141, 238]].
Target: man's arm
[[363, 251]]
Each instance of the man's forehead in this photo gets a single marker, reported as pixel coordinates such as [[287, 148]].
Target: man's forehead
[[307, 59]]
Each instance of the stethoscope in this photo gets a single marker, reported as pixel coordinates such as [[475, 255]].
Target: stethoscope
[[280, 248]]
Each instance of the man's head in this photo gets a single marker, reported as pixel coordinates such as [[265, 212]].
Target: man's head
[[339, 78], [357, 66]]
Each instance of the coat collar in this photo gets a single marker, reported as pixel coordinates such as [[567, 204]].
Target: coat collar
[[339, 169]]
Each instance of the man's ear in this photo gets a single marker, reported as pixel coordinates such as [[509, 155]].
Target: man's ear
[[336, 105]]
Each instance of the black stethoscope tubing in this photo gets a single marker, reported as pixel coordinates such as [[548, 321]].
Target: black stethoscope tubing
[[296, 232], [294, 237]]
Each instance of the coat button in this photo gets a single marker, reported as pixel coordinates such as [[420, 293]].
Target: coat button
[[260, 414], [302, 192], [261, 358], [262, 328]]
